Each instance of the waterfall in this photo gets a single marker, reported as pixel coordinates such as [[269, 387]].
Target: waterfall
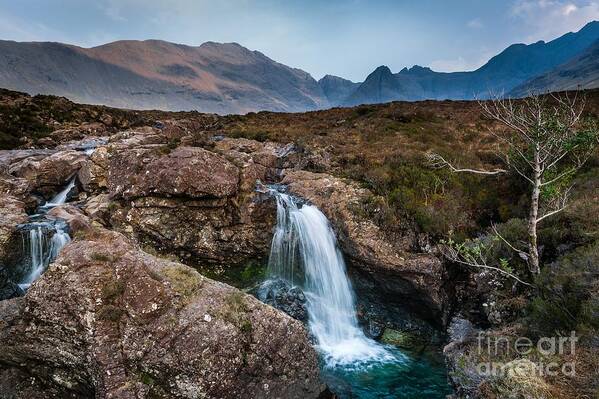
[[61, 197], [304, 252], [43, 239]]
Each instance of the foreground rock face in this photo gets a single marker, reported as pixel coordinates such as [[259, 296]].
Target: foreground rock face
[[12, 213], [186, 171], [193, 203], [384, 271], [131, 326]]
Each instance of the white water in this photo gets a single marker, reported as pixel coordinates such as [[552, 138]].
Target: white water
[[41, 250], [44, 239], [304, 252], [61, 197]]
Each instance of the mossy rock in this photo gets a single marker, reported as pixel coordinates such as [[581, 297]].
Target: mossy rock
[[183, 279], [402, 339]]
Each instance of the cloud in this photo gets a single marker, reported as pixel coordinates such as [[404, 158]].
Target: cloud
[[475, 23], [548, 19]]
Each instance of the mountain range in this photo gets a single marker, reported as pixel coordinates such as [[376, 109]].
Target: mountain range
[[228, 78]]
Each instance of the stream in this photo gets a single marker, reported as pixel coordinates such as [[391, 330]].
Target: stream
[[44, 237], [306, 262]]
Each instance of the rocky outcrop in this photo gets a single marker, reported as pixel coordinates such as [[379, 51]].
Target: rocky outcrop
[[109, 321], [12, 213], [384, 270], [188, 201], [73, 216], [188, 172], [46, 174], [189, 196]]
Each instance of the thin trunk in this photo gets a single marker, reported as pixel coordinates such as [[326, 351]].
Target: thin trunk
[[533, 251]]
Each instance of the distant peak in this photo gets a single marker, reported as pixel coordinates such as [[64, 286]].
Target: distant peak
[[218, 44], [591, 25], [384, 69], [416, 70], [333, 78]]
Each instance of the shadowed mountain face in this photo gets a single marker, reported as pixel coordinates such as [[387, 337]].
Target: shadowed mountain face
[[214, 77], [513, 67], [337, 89], [580, 72]]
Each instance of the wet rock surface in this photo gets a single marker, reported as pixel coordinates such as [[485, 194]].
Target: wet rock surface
[[281, 295], [8, 288], [12, 213], [48, 174]]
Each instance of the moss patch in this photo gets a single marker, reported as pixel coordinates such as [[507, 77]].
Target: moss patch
[[235, 311], [112, 290], [402, 339], [184, 280]]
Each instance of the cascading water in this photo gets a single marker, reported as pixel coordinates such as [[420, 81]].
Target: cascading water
[[61, 197], [304, 252], [304, 256], [43, 239]]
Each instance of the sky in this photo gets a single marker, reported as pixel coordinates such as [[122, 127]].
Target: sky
[[344, 38]]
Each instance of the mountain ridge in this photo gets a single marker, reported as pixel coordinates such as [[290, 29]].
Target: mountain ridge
[[227, 78], [214, 77]]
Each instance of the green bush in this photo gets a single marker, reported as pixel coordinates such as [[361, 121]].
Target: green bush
[[567, 298]]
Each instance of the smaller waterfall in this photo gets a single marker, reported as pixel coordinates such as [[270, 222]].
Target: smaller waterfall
[[61, 197], [304, 252], [42, 241]]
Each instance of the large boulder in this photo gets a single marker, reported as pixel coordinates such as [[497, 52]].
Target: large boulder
[[110, 321], [190, 202], [48, 174], [386, 271], [185, 171]]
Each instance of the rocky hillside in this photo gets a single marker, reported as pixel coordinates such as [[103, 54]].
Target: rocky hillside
[[580, 72], [214, 77]]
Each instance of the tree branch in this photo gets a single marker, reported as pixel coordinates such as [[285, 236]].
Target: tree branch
[[437, 161], [454, 256]]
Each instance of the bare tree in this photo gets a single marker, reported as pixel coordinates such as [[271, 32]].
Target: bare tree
[[545, 141]]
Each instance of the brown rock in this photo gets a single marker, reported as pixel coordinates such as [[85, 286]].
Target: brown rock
[[49, 173], [12, 213], [76, 220], [93, 174], [186, 171], [109, 321]]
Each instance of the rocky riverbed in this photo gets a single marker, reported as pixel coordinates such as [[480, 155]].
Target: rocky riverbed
[[118, 314]]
